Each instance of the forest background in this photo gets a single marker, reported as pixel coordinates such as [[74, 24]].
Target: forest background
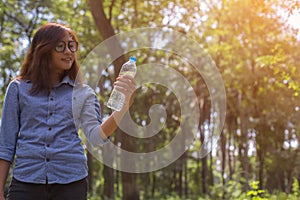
[[255, 50]]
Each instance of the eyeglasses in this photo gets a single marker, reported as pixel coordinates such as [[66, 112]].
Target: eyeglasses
[[61, 46]]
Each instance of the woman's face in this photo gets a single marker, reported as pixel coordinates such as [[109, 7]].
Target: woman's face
[[63, 55]]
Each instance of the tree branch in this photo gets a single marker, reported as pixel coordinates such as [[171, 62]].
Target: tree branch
[[106, 30]]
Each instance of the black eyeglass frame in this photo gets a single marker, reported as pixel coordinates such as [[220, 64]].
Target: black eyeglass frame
[[70, 44]]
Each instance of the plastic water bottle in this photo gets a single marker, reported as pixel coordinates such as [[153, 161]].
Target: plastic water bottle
[[117, 99]]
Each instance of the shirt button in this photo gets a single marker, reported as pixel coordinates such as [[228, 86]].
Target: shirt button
[[47, 159], [51, 98], [49, 128], [51, 114], [48, 145]]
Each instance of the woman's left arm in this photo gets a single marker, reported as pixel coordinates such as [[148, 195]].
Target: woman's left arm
[[96, 131]]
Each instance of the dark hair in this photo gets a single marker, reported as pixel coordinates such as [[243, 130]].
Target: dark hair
[[37, 66]]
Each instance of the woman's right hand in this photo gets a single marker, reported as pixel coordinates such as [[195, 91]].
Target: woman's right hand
[[2, 196], [126, 84], [4, 166]]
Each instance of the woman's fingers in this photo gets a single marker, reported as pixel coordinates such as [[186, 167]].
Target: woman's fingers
[[125, 84]]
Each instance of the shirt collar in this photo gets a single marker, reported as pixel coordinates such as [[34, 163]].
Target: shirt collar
[[66, 80]]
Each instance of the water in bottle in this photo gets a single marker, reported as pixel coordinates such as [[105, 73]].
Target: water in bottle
[[117, 98]]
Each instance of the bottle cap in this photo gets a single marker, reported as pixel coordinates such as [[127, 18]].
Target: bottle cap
[[133, 58]]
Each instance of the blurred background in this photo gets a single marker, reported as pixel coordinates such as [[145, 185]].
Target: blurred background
[[255, 46]]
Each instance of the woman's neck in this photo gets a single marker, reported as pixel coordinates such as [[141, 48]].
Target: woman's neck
[[57, 78]]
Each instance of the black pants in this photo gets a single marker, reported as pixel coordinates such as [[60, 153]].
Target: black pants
[[27, 191]]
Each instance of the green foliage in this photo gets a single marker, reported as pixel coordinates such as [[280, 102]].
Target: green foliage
[[296, 188], [255, 193]]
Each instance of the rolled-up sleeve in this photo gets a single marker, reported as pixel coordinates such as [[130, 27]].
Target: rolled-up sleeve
[[10, 123]]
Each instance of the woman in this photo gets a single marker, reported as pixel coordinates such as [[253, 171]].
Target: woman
[[41, 116]]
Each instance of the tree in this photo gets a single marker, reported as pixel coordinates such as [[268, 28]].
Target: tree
[[104, 26], [257, 55]]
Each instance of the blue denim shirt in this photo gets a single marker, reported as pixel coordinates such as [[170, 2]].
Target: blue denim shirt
[[41, 131]]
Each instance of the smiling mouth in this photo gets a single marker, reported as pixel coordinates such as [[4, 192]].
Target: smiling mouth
[[67, 59]]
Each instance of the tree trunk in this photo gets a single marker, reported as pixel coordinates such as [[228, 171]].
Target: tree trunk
[[129, 186], [180, 177], [223, 153], [204, 173], [243, 145], [153, 185], [211, 170], [204, 110], [230, 153], [90, 171], [129, 191], [108, 175], [261, 159], [186, 184], [106, 30]]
